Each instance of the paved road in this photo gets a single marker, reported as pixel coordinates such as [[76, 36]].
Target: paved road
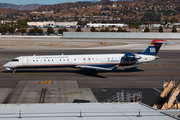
[[147, 75]]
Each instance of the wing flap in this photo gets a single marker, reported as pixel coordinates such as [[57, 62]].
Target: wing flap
[[92, 67]]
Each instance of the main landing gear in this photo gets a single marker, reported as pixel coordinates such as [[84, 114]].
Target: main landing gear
[[94, 72], [13, 71]]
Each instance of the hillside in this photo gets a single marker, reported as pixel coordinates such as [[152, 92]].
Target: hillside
[[20, 7], [143, 11], [64, 6]]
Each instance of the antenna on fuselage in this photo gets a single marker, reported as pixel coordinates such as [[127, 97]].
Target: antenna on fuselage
[[62, 53], [34, 55]]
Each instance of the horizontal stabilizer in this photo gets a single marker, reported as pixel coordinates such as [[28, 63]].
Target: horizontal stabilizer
[[164, 42], [160, 41]]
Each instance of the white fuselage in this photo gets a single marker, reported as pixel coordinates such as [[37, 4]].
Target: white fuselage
[[96, 60]]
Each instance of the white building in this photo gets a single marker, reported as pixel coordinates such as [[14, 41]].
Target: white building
[[51, 23], [105, 25]]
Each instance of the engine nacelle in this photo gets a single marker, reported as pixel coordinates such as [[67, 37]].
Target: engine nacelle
[[130, 57]]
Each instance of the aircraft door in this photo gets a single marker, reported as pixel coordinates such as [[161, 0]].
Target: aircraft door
[[24, 60]]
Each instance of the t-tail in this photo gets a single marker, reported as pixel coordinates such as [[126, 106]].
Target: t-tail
[[154, 47]]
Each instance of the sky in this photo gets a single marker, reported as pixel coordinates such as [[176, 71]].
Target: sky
[[44, 2]]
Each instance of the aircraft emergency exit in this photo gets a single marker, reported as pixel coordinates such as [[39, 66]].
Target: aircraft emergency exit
[[89, 61]]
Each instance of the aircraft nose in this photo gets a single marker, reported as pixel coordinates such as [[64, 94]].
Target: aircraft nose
[[5, 65]]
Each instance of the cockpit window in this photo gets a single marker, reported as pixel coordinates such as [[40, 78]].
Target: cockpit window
[[15, 60]]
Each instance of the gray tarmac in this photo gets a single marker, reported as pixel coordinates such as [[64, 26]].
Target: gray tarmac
[[149, 75]]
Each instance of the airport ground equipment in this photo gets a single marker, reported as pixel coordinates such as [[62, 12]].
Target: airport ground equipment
[[125, 96], [167, 99]]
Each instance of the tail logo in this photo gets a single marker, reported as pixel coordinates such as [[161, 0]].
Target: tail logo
[[152, 50]]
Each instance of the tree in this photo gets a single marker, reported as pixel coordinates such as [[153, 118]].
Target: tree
[[146, 29], [22, 24], [160, 29], [1, 30], [65, 30], [119, 29], [80, 22], [78, 29], [178, 9], [174, 29], [104, 21], [136, 26], [11, 29], [5, 27], [107, 29], [32, 31], [39, 31], [50, 30], [36, 28], [21, 31], [62, 30], [130, 24], [93, 29], [12, 23]]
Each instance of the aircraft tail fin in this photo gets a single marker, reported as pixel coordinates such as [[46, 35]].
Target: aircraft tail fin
[[154, 47]]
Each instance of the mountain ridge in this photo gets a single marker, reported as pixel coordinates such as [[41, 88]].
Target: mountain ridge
[[20, 7]]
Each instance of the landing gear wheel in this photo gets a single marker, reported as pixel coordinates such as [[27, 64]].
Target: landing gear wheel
[[13, 71], [94, 72]]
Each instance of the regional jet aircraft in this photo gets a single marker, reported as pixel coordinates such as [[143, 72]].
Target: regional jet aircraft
[[89, 61]]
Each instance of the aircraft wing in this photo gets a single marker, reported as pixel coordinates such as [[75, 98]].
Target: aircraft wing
[[96, 68], [92, 67]]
